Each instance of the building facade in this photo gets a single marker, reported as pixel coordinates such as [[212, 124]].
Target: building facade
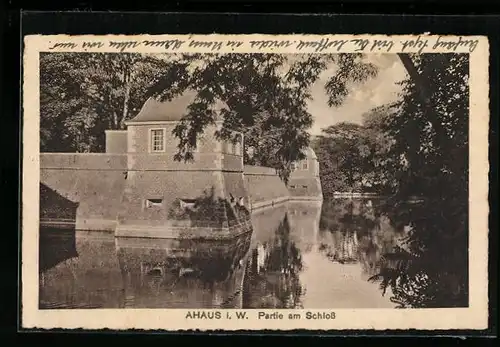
[[149, 194]]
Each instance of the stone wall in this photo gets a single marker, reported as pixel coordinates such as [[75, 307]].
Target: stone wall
[[167, 187], [165, 162], [234, 185], [116, 141], [109, 192], [305, 188], [83, 161], [264, 186], [158, 188], [81, 190], [304, 182]]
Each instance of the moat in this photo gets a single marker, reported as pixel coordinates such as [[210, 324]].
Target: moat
[[298, 255]]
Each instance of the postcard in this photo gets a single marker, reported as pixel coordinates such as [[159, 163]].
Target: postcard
[[255, 182]]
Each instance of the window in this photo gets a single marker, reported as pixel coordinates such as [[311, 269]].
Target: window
[[293, 187], [294, 166], [157, 140], [187, 203], [304, 165], [154, 203]]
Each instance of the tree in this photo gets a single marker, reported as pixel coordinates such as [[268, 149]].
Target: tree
[[266, 97], [350, 154], [83, 94], [383, 165], [429, 158]]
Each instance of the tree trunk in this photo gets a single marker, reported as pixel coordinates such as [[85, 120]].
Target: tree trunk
[[415, 76], [115, 121], [422, 87], [126, 99], [127, 80]]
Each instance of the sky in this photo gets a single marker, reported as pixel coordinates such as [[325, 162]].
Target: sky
[[375, 92], [378, 91]]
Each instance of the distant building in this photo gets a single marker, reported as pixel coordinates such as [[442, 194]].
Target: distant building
[[304, 180]]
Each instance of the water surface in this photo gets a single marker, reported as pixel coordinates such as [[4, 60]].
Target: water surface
[[299, 255]]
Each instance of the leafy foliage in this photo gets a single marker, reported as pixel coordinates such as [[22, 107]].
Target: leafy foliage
[[416, 152], [209, 208], [429, 158], [351, 157], [265, 97], [351, 69], [432, 135], [84, 94]]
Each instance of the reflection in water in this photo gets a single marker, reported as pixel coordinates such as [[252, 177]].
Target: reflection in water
[[357, 232], [182, 273], [90, 278], [110, 272], [299, 255], [272, 278], [56, 247], [319, 257], [429, 267]]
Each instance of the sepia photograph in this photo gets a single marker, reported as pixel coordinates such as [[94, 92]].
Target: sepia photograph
[[265, 181]]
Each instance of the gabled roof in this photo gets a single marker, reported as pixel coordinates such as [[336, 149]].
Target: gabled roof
[[154, 110]]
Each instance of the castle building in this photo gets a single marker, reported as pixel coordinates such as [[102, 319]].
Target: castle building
[[137, 189], [156, 182]]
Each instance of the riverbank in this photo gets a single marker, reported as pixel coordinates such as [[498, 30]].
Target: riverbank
[[355, 195], [350, 195]]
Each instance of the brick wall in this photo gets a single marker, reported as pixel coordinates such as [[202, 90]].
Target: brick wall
[[310, 169], [304, 182], [231, 162], [166, 186], [166, 162], [83, 161]]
